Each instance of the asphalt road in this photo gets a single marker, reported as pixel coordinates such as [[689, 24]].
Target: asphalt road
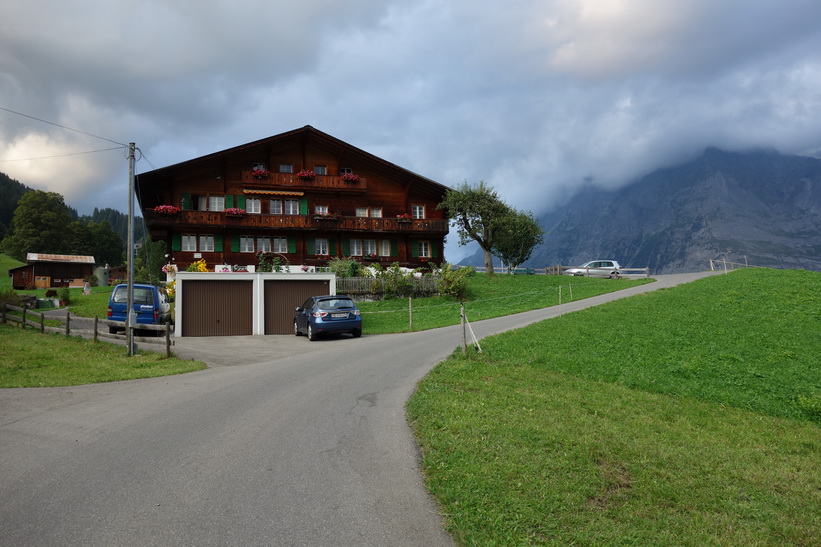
[[281, 442]]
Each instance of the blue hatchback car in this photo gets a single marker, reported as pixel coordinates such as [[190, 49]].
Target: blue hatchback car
[[327, 315]]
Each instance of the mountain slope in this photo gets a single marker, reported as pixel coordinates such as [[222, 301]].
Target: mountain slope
[[762, 206]]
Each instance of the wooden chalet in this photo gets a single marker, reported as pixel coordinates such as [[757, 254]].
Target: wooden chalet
[[303, 195], [44, 271]]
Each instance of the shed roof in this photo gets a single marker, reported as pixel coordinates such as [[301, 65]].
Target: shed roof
[[44, 257]]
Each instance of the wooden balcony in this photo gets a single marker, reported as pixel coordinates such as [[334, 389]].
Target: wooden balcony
[[217, 219], [290, 181]]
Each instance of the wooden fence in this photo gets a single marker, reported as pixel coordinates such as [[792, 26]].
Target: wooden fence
[[24, 317], [379, 286], [559, 270]]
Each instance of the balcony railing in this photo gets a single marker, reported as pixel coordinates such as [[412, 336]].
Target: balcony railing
[[194, 219], [319, 182]]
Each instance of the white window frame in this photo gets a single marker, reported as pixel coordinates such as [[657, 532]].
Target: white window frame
[[276, 207], [253, 206], [362, 212], [216, 203], [356, 247], [368, 247], [291, 206], [321, 247], [320, 169], [263, 244], [320, 209], [376, 212], [424, 249], [286, 168], [246, 244], [385, 247], [418, 211], [206, 243], [188, 243], [343, 170], [280, 245]]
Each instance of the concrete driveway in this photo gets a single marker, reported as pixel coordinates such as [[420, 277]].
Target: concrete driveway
[[282, 442]]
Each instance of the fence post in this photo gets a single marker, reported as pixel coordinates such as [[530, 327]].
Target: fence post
[[560, 295], [410, 314], [24, 317], [3, 319], [42, 323], [462, 322], [168, 338], [95, 328], [68, 321]]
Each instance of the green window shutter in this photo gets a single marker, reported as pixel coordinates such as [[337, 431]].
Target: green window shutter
[[346, 247], [414, 249], [241, 201], [229, 201], [291, 244], [311, 247], [234, 244], [185, 201], [303, 206], [218, 243], [176, 242], [332, 247], [394, 248], [434, 251]]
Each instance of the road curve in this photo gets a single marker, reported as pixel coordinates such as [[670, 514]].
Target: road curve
[[281, 442]]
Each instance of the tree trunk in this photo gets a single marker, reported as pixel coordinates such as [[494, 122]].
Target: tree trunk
[[488, 261]]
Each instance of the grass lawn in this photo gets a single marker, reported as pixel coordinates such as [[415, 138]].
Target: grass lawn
[[31, 359], [487, 296], [686, 416]]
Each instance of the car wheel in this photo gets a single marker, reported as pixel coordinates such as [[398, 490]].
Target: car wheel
[[113, 330], [296, 330], [614, 275], [356, 333], [311, 333]]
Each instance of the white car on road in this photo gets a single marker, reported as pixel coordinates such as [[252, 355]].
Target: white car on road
[[597, 268]]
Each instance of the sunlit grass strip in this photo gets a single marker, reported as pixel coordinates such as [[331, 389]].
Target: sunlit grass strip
[[31, 359], [487, 297]]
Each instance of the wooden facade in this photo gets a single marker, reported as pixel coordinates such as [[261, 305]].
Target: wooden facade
[[354, 205]]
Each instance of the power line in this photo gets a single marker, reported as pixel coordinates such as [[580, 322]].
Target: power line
[[63, 155], [62, 126]]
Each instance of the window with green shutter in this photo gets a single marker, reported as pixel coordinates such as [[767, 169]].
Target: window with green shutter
[[241, 201], [234, 244], [176, 242], [185, 201], [291, 244], [229, 201], [346, 247], [311, 247], [414, 249], [394, 248], [303, 206], [218, 243]]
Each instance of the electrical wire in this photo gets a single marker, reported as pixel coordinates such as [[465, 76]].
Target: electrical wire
[[62, 126], [63, 155]]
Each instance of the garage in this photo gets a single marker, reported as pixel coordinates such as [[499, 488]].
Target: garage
[[282, 296], [241, 304]]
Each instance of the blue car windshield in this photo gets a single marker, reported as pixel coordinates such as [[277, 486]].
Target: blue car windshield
[[334, 304]]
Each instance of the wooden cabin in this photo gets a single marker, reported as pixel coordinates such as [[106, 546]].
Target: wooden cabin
[[45, 271], [303, 195]]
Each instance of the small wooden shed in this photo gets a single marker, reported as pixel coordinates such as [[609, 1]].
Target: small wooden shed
[[234, 304], [45, 271]]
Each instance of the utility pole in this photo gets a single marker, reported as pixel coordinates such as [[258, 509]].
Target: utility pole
[[129, 325]]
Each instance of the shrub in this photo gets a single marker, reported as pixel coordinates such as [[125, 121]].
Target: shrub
[[454, 282], [347, 267], [64, 294], [8, 296]]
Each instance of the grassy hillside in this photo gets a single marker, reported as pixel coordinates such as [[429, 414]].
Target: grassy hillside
[[687, 416], [7, 262]]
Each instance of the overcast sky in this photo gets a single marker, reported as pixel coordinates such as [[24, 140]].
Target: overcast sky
[[533, 96]]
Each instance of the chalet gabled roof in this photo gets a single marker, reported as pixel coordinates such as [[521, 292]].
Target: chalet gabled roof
[[301, 134]]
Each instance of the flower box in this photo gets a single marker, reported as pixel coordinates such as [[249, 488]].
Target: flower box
[[306, 174], [166, 210], [235, 212], [260, 173], [349, 177]]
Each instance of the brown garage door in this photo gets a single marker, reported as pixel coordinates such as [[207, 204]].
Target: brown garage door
[[217, 308], [281, 297]]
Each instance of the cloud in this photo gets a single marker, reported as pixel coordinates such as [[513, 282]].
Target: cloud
[[536, 97]]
